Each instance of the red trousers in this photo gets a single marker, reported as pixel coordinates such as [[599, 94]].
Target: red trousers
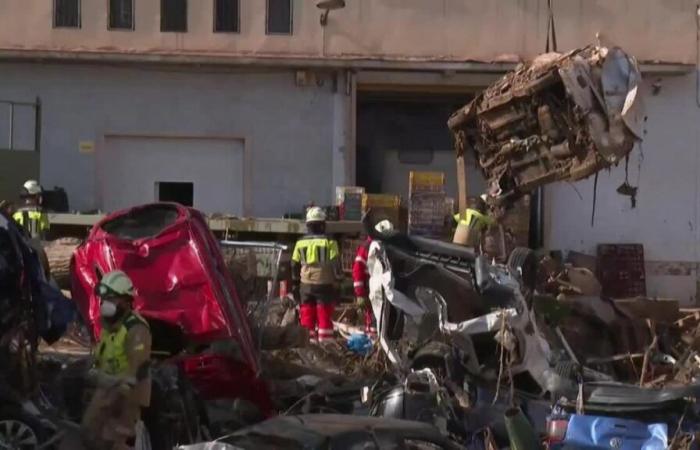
[[316, 310]]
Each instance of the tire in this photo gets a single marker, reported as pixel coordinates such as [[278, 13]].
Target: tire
[[522, 260], [20, 431]]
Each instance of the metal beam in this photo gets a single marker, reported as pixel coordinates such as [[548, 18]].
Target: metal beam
[[293, 62], [231, 225]]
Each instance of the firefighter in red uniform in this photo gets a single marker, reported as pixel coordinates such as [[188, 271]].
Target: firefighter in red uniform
[[316, 273], [360, 278]]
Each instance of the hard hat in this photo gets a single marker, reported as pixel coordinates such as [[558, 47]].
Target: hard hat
[[385, 226], [315, 214], [115, 284], [32, 187]]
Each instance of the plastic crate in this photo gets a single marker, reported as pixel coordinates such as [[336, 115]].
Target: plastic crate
[[388, 201], [425, 182], [348, 249], [427, 214], [342, 192]]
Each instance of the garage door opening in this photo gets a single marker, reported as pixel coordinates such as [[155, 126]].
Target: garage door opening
[[178, 192], [398, 132]]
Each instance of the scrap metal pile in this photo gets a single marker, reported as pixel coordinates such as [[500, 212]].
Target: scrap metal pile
[[559, 117]]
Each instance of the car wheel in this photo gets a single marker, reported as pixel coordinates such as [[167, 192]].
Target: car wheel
[[19, 432]]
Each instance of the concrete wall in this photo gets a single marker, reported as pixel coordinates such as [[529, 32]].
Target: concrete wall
[[287, 129], [437, 30], [666, 167]]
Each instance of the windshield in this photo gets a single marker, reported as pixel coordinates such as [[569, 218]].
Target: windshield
[[143, 222]]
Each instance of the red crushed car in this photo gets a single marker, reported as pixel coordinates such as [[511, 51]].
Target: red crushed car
[[184, 290]]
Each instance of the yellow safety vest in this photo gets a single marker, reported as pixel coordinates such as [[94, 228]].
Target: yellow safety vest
[[111, 355], [37, 221], [473, 218], [319, 258], [315, 250]]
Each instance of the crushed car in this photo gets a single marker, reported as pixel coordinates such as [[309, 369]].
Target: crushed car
[[201, 336], [331, 432], [31, 309], [467, 337], [559, 117]]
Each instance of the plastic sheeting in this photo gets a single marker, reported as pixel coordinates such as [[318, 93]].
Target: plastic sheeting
[[592, 432], [177, 269]]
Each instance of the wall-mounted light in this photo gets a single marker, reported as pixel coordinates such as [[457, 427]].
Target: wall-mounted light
[[327, 6]]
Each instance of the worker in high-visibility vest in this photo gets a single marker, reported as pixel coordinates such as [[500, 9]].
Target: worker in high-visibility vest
[[473, 222], [316, 274], [31, 215], [122, 367]]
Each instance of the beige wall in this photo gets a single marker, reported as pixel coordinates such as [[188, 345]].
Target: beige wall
[[442, 30]]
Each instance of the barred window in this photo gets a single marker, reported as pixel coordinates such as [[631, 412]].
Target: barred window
[[279, 16], [121, 14], [66, 13], [227, 16], [173, 15]]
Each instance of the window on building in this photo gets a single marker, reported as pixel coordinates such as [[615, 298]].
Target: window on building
[[178, 192], [279, 16], [227, 16], [173, 15], [121, 14], [66, 13]]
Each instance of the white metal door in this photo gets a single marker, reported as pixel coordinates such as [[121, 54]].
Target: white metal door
[[131, 168]]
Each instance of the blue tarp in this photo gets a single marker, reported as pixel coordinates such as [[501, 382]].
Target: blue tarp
[[593, 432]]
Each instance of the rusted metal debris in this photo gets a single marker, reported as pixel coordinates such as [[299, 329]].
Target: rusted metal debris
[[559, 117]]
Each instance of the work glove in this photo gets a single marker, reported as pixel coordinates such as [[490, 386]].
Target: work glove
[[361, 302]]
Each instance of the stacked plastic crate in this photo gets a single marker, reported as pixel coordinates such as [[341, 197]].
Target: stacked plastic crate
[[427, 204], [383, 206], [348, 199]]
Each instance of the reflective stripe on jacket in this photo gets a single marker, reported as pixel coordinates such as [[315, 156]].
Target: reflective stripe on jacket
[[316, 260], [36, 222], [112, 352]]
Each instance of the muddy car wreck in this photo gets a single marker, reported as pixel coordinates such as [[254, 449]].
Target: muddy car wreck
[[511, 346], [559, 117]]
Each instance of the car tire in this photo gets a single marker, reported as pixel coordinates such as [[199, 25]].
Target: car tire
[[20, 431]]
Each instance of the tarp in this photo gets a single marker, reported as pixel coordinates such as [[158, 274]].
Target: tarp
[[592, 432], [177, 269]]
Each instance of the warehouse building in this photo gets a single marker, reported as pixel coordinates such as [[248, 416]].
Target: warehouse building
[[255, 108]]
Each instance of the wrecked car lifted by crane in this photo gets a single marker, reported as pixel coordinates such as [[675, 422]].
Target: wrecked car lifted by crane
[[559, 117]]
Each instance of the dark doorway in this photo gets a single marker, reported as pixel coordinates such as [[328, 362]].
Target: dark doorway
[[398, 132], [178, 192]]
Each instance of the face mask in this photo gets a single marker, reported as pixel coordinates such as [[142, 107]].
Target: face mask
[[108, 309]]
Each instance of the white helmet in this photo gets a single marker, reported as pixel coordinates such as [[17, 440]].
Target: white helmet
[[385, 226], [315, 214], [32, 187]]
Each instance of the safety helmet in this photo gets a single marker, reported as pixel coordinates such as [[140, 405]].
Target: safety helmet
[[115, 284], [31, 187], [315, 214], [385, 226]]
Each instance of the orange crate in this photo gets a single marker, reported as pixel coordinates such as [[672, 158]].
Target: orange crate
[[388, 201], [426, 182]]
